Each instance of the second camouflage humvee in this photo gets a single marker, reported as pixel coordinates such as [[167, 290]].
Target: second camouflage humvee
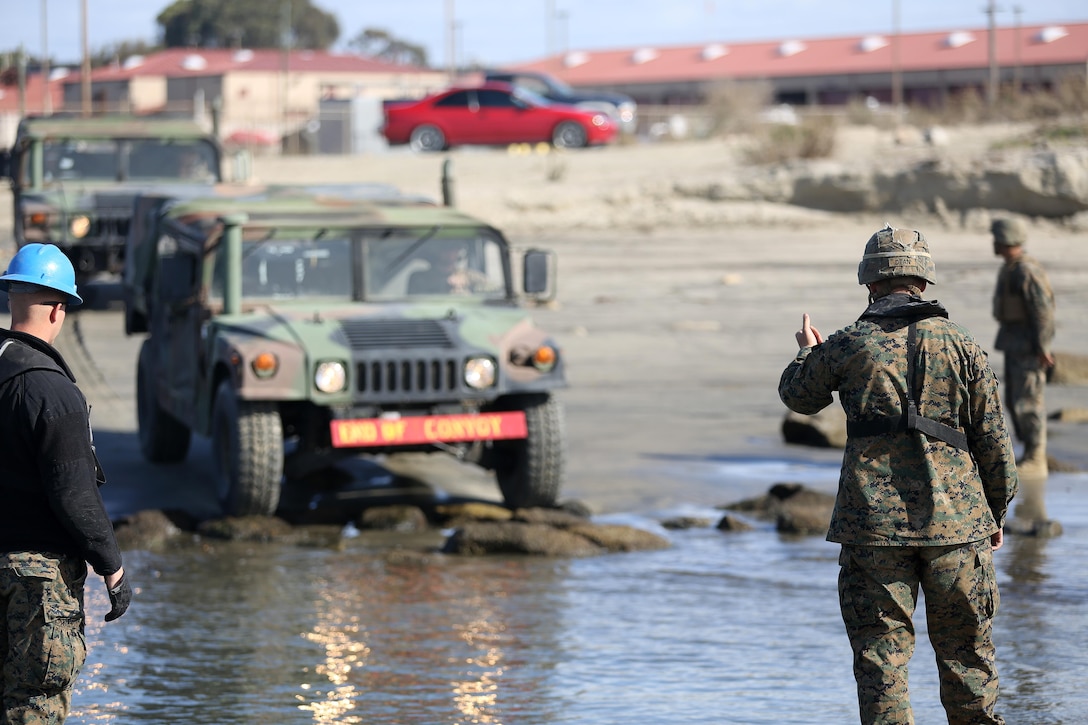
[[298, 327], [74, 179]]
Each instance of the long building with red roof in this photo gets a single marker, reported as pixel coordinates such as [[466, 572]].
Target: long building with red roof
[[931, 65]]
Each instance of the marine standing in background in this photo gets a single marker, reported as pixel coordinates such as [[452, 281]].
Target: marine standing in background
[[52, 521], [1024, 309], [927, 477]]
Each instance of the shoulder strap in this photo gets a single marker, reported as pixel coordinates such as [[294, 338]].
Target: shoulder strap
[[911, 419]]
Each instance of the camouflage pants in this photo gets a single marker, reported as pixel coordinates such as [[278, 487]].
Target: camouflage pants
[[42, 648], [878, 591], [1025, 383]]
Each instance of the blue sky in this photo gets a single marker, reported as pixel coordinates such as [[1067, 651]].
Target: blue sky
[[495, 32]]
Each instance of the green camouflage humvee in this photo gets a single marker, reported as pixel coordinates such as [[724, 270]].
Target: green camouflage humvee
[[74, 179], [297, 328]]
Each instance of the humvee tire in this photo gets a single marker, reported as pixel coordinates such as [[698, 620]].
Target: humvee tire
[[530, 471], [163, 438], [247, 453]]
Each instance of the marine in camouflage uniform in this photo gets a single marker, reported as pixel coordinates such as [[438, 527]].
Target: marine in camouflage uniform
[[1024, 309], [913, 509]]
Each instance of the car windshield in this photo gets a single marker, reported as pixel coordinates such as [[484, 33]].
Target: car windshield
[[406, 264], [71, 159], [285, 269], [398, 265]]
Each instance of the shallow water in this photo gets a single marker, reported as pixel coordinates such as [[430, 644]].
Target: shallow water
[[720, 628]]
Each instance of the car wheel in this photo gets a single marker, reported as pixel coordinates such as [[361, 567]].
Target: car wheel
[[569, 135], [530, 471], [247, 452], [163, 438], [427, 138]]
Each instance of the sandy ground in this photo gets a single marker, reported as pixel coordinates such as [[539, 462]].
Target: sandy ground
[[675, 317]]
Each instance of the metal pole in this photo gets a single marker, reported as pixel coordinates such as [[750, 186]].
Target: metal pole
[[47, 95], [1016, 70], [991, 86], [897, 71], [451, 41], [85, 73], [22, 80]]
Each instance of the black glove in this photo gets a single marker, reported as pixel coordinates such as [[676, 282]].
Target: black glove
[[120, 598]]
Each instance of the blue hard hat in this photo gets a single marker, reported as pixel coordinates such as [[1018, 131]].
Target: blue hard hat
[[46, 266]]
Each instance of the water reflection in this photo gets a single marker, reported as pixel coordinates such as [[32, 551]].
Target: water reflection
[[721, 628]]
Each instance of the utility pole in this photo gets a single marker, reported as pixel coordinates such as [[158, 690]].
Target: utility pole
[[21, 70], [1016, 10], [897, 71], [451, 40], [549, 23], [85, 72], [991, 87], [47, 93], [285, 59]]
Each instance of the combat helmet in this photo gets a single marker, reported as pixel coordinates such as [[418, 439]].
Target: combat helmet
[[1009, 232], [896, 253]]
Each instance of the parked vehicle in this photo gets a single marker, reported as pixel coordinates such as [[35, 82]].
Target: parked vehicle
[[299, 327], [73, 179], [622, 108], [492, 114]]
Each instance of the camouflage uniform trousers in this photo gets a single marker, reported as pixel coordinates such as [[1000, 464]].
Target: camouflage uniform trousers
[[878, 591], [1025, 383], [42, 646]]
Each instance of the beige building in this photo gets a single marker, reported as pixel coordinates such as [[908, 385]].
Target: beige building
[[257, 97]]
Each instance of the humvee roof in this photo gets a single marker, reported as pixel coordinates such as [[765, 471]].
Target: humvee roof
[[110, 127]]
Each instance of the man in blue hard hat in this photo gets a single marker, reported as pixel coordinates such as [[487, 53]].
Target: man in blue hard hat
[[53, 522]]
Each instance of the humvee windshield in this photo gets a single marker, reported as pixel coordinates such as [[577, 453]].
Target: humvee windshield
[[78, 159], [397, 265]]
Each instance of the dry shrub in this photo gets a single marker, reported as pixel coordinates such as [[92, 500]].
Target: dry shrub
[[812, 138], [734, 106]]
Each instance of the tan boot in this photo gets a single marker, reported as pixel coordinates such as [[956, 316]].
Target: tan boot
[[1033, 463]]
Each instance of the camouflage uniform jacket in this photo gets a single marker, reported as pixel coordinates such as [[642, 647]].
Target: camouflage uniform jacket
[[1024, 305], [904, 488]]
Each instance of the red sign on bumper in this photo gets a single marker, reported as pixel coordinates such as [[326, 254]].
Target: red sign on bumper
[[363, 432]]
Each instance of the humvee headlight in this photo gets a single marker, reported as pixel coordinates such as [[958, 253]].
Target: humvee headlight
[[37, 219], [544, 358], [330, 376], [480, 372], [265, 365], [79, 226]]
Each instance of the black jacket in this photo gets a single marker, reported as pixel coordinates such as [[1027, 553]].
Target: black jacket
[[49, 475]]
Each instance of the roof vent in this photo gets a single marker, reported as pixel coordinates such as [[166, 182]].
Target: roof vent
[[194, 62], [872, 42], [958, 39], [790, 47], [643, 55], [57, 73], [243, 55], [714, 51], [1051, 33], [575, 58], [133, 61]]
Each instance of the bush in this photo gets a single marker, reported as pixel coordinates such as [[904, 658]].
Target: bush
[[813, 138], [734, 107]]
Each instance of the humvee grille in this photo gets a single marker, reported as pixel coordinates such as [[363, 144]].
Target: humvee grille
[[407, 376], [384, 334]]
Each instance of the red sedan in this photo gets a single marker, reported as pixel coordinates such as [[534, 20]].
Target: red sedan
[[493, 114]]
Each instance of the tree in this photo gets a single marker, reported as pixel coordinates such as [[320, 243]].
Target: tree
[[246, 23], [377, 43]]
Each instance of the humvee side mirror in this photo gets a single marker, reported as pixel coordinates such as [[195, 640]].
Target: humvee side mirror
[[5, 164], [537, 277]]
